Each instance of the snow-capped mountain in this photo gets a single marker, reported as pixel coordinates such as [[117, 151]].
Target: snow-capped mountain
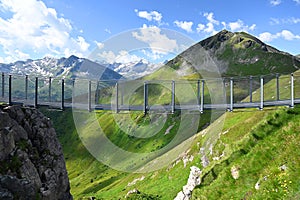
[[133, 70], [71, 67]]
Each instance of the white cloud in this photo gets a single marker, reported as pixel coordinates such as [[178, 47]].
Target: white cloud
[[187, 26], [209, 28], [297, 1], [158, 42], [284, 34], [200, 27], [291, 20], [150, 16], [240, 26], [107, 56], [266, 37], [35, 28], [213, 25], [288, 35], [100, 45], [125, 57], [275, 2], [121, 57], [107, 31], [210, 18]]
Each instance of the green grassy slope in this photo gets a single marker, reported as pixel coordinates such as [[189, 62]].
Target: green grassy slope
[[255, 142]]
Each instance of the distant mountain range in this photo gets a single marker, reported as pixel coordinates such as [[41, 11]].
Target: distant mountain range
[[72, 67], [135, 69], [234, 54]]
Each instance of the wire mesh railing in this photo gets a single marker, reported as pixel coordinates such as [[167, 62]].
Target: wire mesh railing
[[222, 93]]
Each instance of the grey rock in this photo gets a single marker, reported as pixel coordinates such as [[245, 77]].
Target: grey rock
[[31, 150], [193, 181]]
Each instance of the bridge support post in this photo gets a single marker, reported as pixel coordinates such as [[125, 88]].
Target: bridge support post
[[198, 93], [26, 87], [145, 98], [277, 87], [90, 96], [62, 94], [250, 88], [73, 90], [3, 83], [122, 94], [36, 93], [202, 97], [261, 93], [9, 90], [292, 91], [173, 98], [231, 95], [117, 98], [49, 89]]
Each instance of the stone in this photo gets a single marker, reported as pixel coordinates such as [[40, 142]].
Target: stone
[[130, 192], [193, 181], [7, 143], [29, 147], [283, 167], [235, 172], [257, 185]]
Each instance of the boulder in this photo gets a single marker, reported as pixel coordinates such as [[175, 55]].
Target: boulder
[[32, 165]]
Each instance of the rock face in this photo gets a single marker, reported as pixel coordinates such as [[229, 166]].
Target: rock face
[[193, 181], [32, 165]]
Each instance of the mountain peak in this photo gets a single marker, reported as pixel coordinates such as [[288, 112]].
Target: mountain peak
[[236, 40]]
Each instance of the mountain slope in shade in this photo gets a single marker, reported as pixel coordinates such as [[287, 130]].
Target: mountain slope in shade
[[71, 67], [235, 54]]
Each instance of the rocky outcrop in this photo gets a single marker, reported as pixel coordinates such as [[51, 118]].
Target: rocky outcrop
[[193, 181], [32, 165]]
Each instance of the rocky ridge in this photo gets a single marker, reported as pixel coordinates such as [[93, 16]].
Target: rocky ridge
[[32, 165]]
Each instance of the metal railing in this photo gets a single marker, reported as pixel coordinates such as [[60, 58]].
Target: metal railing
[[152, 95]]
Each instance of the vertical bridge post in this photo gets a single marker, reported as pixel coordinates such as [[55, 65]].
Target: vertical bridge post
[[3, 82], [277, 87], [117, 98], [90, 96], [231, 95], [9, 90], [26, 87], [261, 93], [198, 92], [251, 88], [49, 89], [202, 97], [173, 98], [292, 91], [36, 94], [145, 97], [62, 94]]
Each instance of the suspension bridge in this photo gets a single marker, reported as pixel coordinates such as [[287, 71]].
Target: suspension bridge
[[152, 95]]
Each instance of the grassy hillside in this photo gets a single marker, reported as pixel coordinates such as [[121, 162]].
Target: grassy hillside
[[260, 145], [257, 148]]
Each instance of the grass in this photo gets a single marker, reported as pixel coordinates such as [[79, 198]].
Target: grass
[[256, 142], [258, 147]]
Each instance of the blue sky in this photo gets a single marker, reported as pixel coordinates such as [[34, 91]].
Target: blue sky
[[34, 29]]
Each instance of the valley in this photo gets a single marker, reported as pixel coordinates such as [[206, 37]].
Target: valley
[[244, 154]]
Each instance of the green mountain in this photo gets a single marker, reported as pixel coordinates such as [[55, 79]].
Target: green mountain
[[251, 156], [258, 146], [234, 54]]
